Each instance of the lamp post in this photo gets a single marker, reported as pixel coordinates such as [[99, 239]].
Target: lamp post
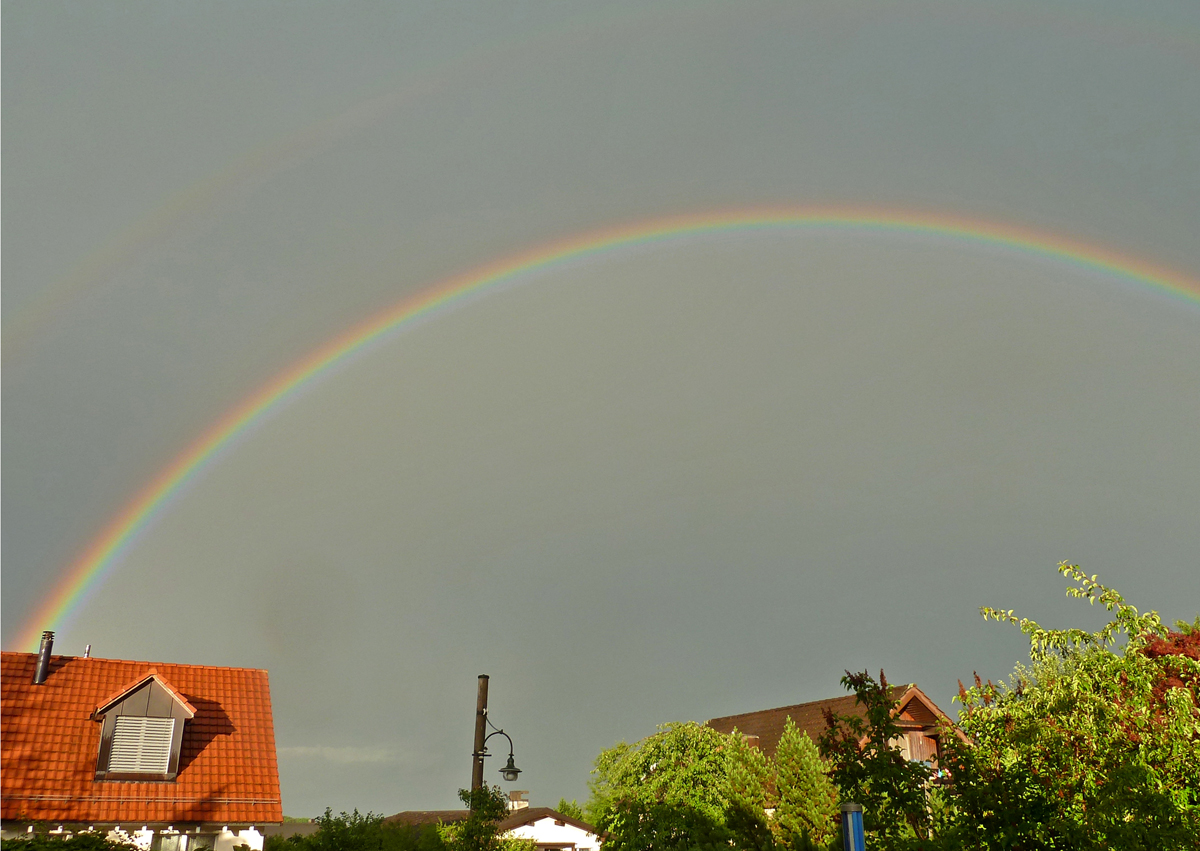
[[482, 722], [852, 827]]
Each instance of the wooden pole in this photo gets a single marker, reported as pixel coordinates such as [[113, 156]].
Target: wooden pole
[[480, 734]]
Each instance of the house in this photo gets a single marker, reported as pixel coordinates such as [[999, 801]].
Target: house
[[549, 829], [916, 715], [170, 757]]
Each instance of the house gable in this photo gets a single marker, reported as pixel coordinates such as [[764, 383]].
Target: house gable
[[142, 731], [923, 725], [550, 830]]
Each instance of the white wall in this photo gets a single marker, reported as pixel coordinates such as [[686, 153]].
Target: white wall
[[227, 839], [547, 831]]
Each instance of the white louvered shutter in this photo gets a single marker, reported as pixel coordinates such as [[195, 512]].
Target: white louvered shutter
[[141, 745]]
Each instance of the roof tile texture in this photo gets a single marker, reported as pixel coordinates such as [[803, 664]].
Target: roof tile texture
[[49, 745], [768, 724]]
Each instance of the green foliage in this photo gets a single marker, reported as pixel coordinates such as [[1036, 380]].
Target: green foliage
[[346, 832], [570, 808], [54, 842], [685, 787], [869, 770], [1088, 747], [690, 787], [1186, 628], [1095, 744], [480, 831], [748, 779], [808, 800], [748, 774], [357, 832], [681, 765], [638, 826]]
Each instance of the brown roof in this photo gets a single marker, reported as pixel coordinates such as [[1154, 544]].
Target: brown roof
[[528, 815], [49, 744], [418, 818], [768, 724]]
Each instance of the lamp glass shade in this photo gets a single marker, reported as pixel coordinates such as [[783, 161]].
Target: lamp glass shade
[[510, 771]]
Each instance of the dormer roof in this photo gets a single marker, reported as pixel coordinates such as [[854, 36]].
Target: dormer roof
[[189, 711]]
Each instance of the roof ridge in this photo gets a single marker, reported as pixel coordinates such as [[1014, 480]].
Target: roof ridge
[[134, 685], [896, 690], [136, 661], [525, 815]]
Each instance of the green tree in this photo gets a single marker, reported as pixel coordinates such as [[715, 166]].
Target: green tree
[[570, 808], [480, 831], [749, 777], [346, 832], [808, 799], [669, 791], [684, 763], [1094, 744], [357, 832], [868, 769]]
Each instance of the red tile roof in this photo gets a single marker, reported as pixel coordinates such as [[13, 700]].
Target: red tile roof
[[768, 724], [49, 745]]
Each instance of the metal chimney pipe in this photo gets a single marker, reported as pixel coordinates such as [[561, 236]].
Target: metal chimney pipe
[[43, 662]]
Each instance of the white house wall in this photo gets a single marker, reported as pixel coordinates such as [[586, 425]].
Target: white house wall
[[548, 832]]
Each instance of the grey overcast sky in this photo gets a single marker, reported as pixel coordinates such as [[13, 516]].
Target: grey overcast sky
[[700, 477]]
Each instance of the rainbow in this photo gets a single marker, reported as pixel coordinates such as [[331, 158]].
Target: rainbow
[[87, 573]]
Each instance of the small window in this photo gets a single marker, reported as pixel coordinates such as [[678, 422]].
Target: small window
[[141, 745]]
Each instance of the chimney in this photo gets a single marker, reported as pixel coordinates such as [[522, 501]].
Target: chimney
[[43, 662]]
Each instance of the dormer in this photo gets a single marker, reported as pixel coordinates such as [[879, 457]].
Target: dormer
[[142, 730], [921, 723]]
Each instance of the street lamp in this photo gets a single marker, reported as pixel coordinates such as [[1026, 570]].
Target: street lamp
[[852, 827], [482, 722]]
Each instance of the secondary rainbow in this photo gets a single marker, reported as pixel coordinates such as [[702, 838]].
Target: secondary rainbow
[[88, 571]]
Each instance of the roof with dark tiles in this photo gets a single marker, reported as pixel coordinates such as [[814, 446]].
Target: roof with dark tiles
[[768, 724], [529, 815], [420, 818], [49, 744]]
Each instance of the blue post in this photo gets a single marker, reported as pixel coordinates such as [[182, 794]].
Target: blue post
[[852, 828]]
